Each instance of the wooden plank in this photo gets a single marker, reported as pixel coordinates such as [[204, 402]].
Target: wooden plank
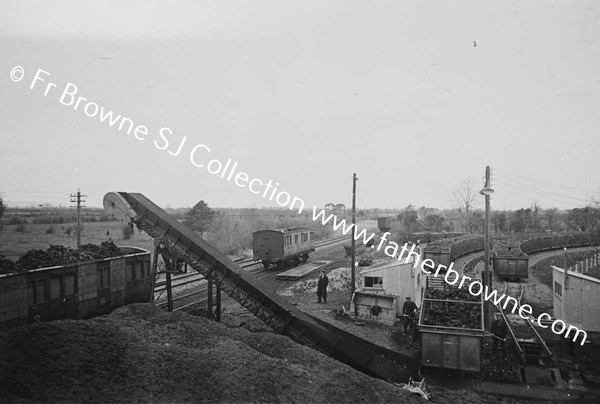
[[87, 282], [13, 297], [117, 280], [303, 270]]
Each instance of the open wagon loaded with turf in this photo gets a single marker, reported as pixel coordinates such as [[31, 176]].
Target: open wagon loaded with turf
[[445, 251], [510, 262], [451, 327]]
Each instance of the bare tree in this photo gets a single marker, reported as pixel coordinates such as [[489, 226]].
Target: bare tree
[[464, 197]]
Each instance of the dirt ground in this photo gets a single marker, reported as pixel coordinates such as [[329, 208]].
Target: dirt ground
[[141, 354]]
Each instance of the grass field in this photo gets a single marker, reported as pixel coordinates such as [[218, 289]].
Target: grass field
[[13, 244], [544, 267], [231, 234]]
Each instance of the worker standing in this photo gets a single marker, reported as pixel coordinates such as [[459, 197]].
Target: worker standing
[[499, 330], [409, 311], [322, 287]]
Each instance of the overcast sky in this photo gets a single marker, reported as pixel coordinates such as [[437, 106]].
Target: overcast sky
[[412, 96]]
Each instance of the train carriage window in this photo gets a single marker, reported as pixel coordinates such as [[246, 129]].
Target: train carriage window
[[304, 237], [40, 291], [146, 269], [295, 239], [69, 282], [54, 288]]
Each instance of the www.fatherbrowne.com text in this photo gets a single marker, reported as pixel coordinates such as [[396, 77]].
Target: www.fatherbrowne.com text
[[70, 97]]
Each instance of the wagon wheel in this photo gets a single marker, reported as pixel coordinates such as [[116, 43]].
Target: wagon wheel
[[304, 257]]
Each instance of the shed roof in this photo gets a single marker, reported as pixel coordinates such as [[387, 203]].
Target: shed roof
[[594, 278], [288, 230], [384, 265]]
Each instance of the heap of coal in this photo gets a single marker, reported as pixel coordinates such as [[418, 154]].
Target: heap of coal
[[59, 255], [141, 354]]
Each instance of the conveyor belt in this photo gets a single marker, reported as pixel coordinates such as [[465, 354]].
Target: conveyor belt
[[255, 295]]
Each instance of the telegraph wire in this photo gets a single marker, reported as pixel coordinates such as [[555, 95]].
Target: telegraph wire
[[547, 183], [528, 197], [532, 189]]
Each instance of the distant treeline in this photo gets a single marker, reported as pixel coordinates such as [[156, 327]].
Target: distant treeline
[[52, 216], [525, 220]]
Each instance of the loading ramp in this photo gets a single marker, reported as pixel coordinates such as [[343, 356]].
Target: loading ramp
[[254, 295]]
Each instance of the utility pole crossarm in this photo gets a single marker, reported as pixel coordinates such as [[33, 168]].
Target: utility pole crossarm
[[77, 199]]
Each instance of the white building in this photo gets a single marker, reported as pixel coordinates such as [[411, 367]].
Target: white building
[[578, 301], [387, 285]]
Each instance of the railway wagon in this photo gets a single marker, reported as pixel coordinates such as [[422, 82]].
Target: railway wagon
[[511, 268], [385, 223], [78, 290], [559, 241], [283, 247], [444, 251], [509, 262], [451, 327], [426, 237]]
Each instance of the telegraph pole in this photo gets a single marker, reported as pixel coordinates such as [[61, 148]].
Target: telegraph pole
[[353, 257], [76, 198], [487, 273]]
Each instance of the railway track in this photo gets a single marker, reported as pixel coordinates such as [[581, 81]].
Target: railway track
[[191, 288], [528, 343]]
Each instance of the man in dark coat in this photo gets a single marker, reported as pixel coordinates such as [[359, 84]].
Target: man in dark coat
[[322, 287], [409, 310], [500, 331]]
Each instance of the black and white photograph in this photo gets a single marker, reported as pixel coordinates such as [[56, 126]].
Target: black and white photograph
[[391, 201]]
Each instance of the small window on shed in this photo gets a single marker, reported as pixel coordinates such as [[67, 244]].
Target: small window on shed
[[54, 288], [558, 288], [373, 282], [304, 237]]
